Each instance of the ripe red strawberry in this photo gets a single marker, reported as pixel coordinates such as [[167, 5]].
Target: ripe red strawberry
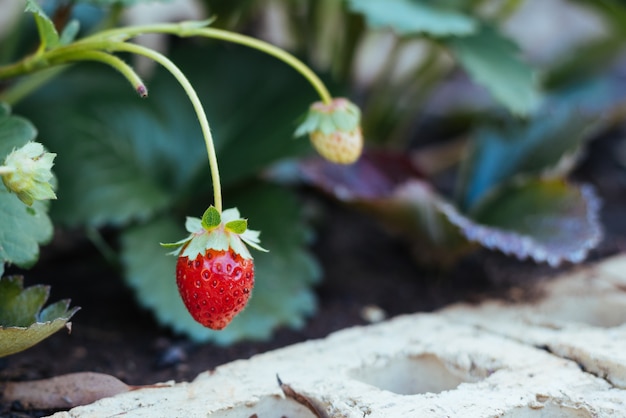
[[215, 286], [215, 271]]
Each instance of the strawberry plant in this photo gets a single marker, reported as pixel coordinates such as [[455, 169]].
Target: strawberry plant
[[138, 167], [504, 183]]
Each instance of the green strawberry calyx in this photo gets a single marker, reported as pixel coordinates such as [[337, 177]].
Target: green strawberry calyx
[[341, 115], [219, 232]]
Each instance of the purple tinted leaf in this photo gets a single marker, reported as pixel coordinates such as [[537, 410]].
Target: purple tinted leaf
[[547, 220], [376, 175]]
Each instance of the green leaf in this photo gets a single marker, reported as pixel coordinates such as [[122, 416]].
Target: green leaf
[[22, 322], [282, 294], [547, 220], [238, 226], [533, 147], [48, 35], [492, 61], [211, 218], [19, 307], [408, 17], [104, 178], [22, 229], [15, 131], [69, 32], [125, 159]]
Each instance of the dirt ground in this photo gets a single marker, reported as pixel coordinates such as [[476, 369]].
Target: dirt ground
[[111, 334]]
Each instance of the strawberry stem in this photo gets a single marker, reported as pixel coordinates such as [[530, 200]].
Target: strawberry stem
[[112, 61], [272, 50], [194, 28], [195, 101]]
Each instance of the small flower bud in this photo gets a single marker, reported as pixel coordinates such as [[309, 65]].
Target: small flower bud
[[334, 130], [28, 173]]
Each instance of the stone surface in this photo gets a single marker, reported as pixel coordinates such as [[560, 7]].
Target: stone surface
[[562, 356]]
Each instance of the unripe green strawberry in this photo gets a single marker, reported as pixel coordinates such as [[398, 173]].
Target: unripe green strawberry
[[215, 271], [334, 130]]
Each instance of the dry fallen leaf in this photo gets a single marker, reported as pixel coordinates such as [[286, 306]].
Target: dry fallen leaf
[[62, 392]]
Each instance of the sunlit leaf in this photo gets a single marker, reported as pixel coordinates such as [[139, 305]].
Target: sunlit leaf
[[408, 17], [281, 296], [493, 62], [22, 321], [49, 37]]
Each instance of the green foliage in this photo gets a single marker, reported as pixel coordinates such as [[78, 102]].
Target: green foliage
[[282, 294], [142, 163], [493, 61], [23, 322], [499, 153], [48, 35], [489, 57], [408, 17], [138, 158]]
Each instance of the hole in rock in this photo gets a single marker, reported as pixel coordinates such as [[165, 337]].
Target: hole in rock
[[426, 373], [266, 407], [549, 410], [606, 312]]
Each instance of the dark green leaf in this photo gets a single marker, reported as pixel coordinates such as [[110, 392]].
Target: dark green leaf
[[281, 295], [533, 147], [48, 35], [408, 17], [492, 61], [211, 218], [14, 131], [125, 159], [102, 169], [22, 229]]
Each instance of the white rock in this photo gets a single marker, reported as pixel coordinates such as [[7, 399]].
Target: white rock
[[492, 360]]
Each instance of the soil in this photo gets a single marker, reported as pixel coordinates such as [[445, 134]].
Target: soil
[[366, 267]]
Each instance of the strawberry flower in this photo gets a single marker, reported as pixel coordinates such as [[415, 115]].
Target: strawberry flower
[[27, 173], [334, 130]]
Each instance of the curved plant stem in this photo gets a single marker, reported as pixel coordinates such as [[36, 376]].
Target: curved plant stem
[[112, 61], [195, 101], [188, 29], [272, 50]]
